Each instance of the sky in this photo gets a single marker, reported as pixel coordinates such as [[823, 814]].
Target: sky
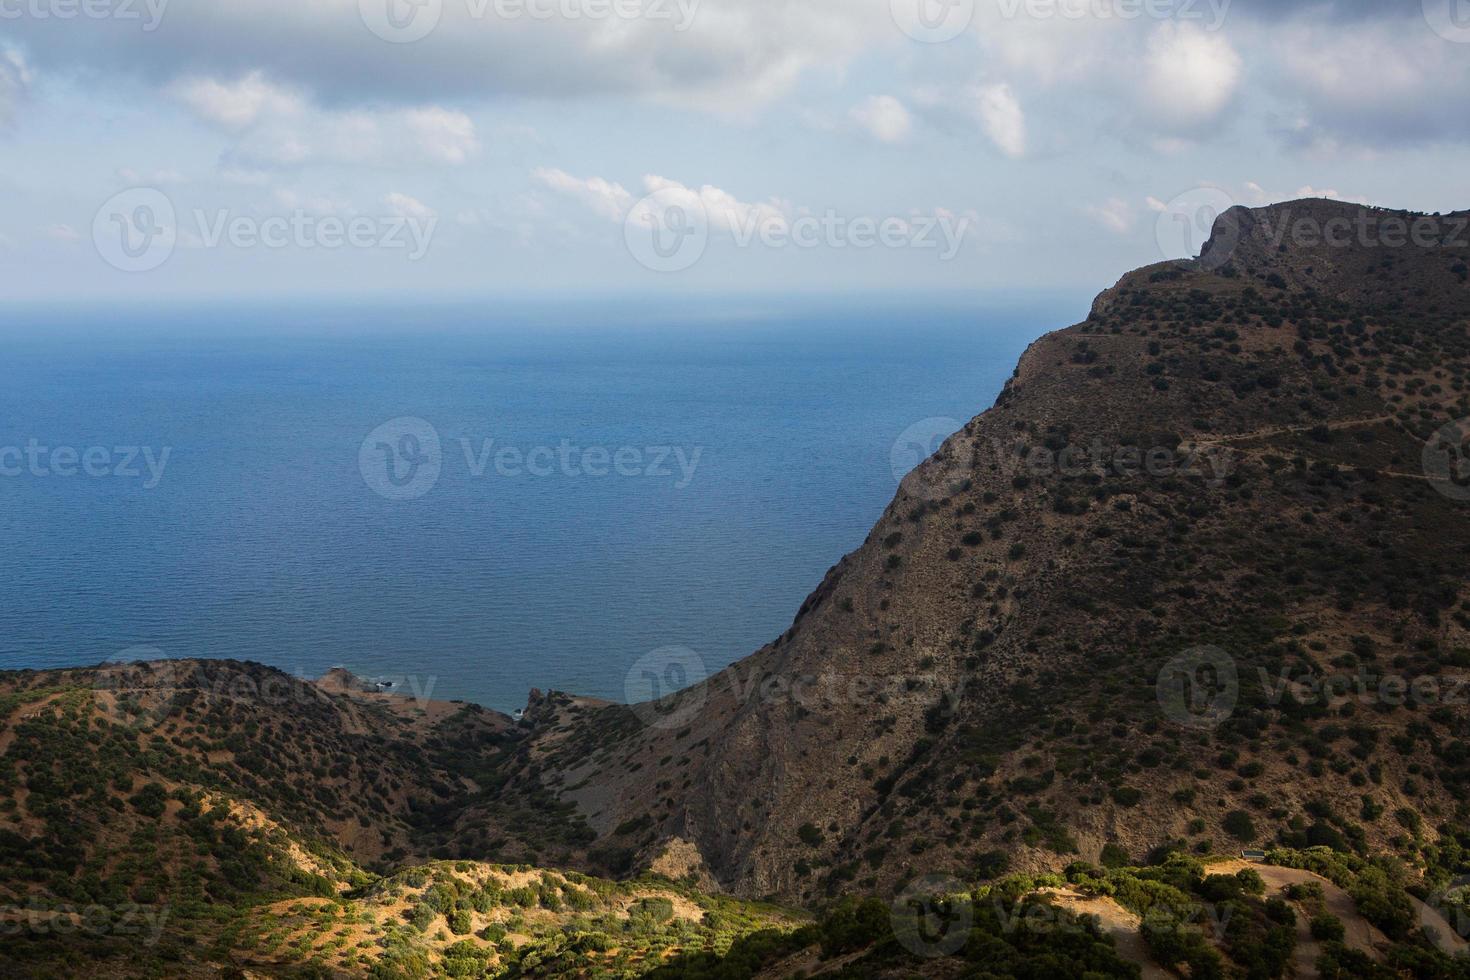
[[201, 149]]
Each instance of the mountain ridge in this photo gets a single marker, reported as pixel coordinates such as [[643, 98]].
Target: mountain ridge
[[1160, 363]]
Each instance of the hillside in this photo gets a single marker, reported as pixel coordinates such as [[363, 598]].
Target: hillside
[[1226, 459], [183, 817]]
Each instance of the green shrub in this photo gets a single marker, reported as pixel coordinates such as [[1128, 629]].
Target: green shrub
[[1238, 824], [1327, 927]]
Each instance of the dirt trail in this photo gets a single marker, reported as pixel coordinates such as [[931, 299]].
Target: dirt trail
[[1358, 932], [1282, 430], [1443, 933], [808, 963], [1118, 922], [1207, 441]]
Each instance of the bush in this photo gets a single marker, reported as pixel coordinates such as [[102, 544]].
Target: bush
[[1238, 824], [1127, 796], [151, 800], [992, 864], [1327, 928]]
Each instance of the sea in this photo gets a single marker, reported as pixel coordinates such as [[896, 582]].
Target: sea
[[464, 499]]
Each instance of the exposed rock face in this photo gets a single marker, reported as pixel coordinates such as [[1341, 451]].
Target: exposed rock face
[[1223, 460]]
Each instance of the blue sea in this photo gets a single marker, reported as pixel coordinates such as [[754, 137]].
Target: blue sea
[[611, 477]]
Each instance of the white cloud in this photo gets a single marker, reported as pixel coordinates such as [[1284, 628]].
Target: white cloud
[[276, 127], [15, 81], [725, 211], [885, 118], [612, 201], [605, 198], [745, 221], [1002, 119], [62, 233], [404, 206], [1368, 84], [244, 178], [313, 203], [150, 178], [1252, 195], [237, 104], [443, 134], [1114, 214], [1190, 75], [1308, 190], [731, 56]]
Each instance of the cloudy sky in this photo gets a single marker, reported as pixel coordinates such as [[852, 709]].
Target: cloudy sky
[[279, 147]]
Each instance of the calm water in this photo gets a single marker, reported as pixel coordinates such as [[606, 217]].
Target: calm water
[[265, 539]]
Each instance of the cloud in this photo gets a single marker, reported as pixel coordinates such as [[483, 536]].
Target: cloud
[[15, 81], [744, 221], [404, 206], [1190, 75], [442, 134], [1114, 214], [313, 204], [604, 198], [62, 233], [1333, 11], [243, 63], [244, 178], [1368, 84], [1252, 195], [275, 126], [237, 104], [1307, 190], [885, 118], [725, 211], [1001, 118], [731, 56], [151, 178], [611, 201]]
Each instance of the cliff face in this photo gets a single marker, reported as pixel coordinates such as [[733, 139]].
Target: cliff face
[[1227, 473]]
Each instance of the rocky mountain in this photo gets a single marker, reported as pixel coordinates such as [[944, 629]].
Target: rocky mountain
[[1235, 472]]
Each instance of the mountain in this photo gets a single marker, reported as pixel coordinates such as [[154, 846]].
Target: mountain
[[1195, 584], [192, 817], [1220, 474]]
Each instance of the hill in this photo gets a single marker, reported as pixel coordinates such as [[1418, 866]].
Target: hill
[[1231, 472], [187, 817]]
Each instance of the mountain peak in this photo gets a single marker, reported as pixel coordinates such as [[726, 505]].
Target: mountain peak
[[1342, 248]]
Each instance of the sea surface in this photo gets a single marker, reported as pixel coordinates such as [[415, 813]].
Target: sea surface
[[612, 477]]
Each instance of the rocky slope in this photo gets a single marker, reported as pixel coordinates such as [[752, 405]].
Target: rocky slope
[[1231, 465], [184, 818]]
